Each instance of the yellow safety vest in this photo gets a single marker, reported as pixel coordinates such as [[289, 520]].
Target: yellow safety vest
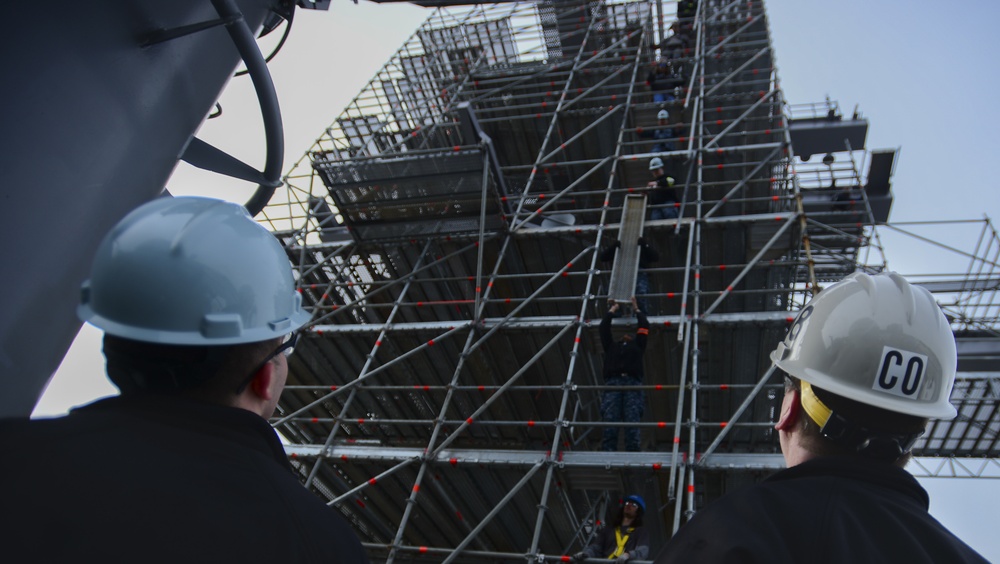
[[621, 540]]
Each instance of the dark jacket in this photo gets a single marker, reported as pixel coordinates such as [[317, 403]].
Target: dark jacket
[[824, 511], [664, 193], [604, 543], [621, 357], [160, 480], [674, 45], [664, 135], [665, 78]]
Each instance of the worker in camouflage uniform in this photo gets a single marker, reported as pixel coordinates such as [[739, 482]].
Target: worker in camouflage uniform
[[623, 367]]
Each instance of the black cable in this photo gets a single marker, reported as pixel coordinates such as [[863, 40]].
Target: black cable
[[281, 43]]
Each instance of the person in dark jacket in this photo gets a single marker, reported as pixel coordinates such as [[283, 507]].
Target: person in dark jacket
[[888, 351], [663, 195], [665, 81], [626, 538], [623, 361], [199, 309], [675, 45], [663, 133]]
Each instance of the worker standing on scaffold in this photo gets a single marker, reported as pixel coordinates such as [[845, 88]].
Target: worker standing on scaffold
[[663, 195], [623, 367]]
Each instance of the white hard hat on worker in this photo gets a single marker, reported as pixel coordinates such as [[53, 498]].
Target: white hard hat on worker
[[877, 340]]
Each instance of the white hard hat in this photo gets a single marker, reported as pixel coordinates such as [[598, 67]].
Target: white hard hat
[[655, 163], [191, 271], [877, 340], [664, 114]]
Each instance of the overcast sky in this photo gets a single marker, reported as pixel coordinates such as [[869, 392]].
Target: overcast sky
[[924, 74]]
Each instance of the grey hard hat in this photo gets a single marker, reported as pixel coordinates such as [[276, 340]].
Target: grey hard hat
[[655, 163], [191, 271]]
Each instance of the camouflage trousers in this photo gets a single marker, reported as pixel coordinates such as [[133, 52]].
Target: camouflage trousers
[[641, 289], [625, 406]]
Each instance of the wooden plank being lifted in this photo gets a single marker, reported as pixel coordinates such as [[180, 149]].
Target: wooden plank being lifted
[[626, 265]]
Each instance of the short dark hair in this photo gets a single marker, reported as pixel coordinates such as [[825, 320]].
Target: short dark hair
[[875, 419], [212, 373]]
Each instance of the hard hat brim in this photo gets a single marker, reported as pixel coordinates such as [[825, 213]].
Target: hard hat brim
[[272, 330]]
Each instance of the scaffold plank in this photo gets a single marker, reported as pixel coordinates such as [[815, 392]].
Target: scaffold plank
[[626, 262]]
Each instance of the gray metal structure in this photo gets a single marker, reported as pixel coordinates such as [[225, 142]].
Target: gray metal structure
[[445, 231], [102, 98]]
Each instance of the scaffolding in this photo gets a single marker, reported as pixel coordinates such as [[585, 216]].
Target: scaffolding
[[447, 231]]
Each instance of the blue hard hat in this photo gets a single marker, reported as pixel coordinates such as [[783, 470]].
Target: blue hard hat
[[638, 500]]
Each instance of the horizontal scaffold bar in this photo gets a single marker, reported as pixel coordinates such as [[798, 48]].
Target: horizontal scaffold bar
[[554, 322], [577, 459], [526, 232], [656, 224], [748, 462], [713, 150]]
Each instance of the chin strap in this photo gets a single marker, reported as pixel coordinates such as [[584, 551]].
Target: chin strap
[[813, 406], [871, 444]]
